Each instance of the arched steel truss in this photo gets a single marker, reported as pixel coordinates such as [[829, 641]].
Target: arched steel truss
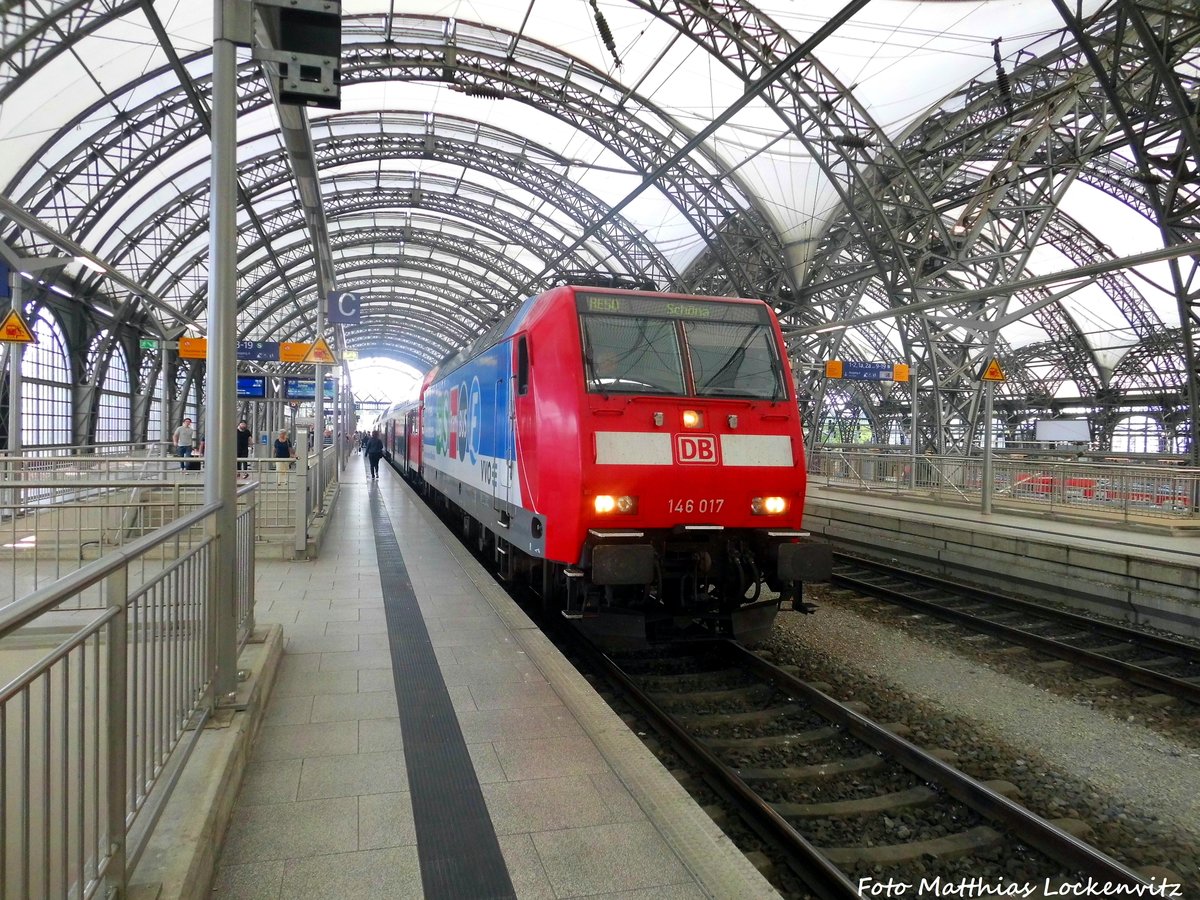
[[956, 204]]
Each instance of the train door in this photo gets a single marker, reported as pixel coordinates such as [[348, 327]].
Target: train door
[[515, 382]]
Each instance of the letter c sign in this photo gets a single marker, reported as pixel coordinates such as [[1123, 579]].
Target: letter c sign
[[343, 308]]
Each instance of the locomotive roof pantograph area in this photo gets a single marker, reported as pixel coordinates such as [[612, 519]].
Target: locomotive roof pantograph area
[[941, 185]]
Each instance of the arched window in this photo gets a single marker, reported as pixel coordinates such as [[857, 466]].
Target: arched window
[[1138, 434], [151, 383], [114, 411], [46, 386]]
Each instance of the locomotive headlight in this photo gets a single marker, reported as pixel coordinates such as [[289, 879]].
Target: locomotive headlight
[[606, 503], [768, 506], [692, 419]]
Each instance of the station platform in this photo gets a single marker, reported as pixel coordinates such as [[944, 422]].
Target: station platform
[[424, 739], [1142, 570]]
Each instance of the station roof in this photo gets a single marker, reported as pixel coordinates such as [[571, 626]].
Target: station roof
[[885, 192]]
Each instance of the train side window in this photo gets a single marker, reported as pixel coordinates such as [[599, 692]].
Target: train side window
[[522, 366]]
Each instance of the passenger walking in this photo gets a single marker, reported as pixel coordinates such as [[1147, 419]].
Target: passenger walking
[[243, 449], [182, 438], [374, 452], [284, 451]]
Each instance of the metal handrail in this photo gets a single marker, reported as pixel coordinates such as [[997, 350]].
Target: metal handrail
[[95, 733]]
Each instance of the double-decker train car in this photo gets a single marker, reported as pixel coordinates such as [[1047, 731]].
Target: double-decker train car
[[636, 458]]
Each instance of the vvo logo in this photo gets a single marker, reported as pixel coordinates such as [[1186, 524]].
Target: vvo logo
[[696, 449]]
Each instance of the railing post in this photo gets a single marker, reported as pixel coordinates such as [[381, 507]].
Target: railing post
[[116, 738], [300, 492]]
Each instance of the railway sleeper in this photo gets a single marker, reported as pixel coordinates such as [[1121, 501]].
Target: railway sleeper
[[864, 806], [756, 693], [805, 737], [834, 769], [750, 717], [964, 843], [802, 738]]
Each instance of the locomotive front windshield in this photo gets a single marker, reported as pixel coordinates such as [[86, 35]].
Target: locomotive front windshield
[[705, 349]]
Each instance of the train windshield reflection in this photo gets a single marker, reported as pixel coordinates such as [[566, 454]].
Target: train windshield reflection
[[643, 355]]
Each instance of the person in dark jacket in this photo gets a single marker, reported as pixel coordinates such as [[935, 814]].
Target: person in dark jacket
[[374, 452], [243, 449]]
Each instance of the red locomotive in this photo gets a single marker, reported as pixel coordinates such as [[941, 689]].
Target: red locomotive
[[634, 457]]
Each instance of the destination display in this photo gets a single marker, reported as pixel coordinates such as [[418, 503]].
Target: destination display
[[252, 387], [669, 308], [305, 388]]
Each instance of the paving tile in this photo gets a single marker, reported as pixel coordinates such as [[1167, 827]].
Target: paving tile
[[289, 830], [546, 804], [378, 735], [549, 757], [386, 820], [325, 643], [514, 724], [297, 684], [270, 781], [373, 680], [252, 881], [607, 858], [514, 696], [393, 872], [346, 707], [525, 867], [454, 673], [487, 764], [347, 776], [359, 659], [288, 711], [299, 741]]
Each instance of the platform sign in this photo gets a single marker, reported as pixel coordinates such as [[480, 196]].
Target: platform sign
[[14, 330], [852, 370], [343, 308], [193, 348], [293, 353], [258, 351]]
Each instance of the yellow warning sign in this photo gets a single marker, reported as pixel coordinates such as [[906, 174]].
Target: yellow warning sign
[[319, 352], [13, 329], [993, 372]]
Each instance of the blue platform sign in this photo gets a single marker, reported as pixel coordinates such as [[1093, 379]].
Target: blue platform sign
[[259, 351], [866, 371], [343, 308]]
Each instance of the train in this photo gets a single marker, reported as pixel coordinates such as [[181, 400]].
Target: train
[[634, 459]]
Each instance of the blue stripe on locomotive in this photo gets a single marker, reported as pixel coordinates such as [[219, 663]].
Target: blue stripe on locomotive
[[468, 426]]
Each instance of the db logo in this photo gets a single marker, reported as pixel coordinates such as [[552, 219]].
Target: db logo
[[696, 449]]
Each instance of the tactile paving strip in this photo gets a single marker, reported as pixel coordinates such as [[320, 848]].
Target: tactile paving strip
[[456, 841]]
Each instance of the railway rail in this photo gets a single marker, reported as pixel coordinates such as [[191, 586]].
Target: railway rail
[[827, 786], [1150, 661]]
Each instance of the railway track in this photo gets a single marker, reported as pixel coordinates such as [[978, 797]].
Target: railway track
[[1156, 663], [847, 802]]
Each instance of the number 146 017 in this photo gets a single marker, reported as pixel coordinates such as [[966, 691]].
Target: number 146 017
[[693, 505]]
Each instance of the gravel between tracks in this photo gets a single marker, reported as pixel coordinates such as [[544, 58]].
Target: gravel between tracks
[[1152, 777]]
